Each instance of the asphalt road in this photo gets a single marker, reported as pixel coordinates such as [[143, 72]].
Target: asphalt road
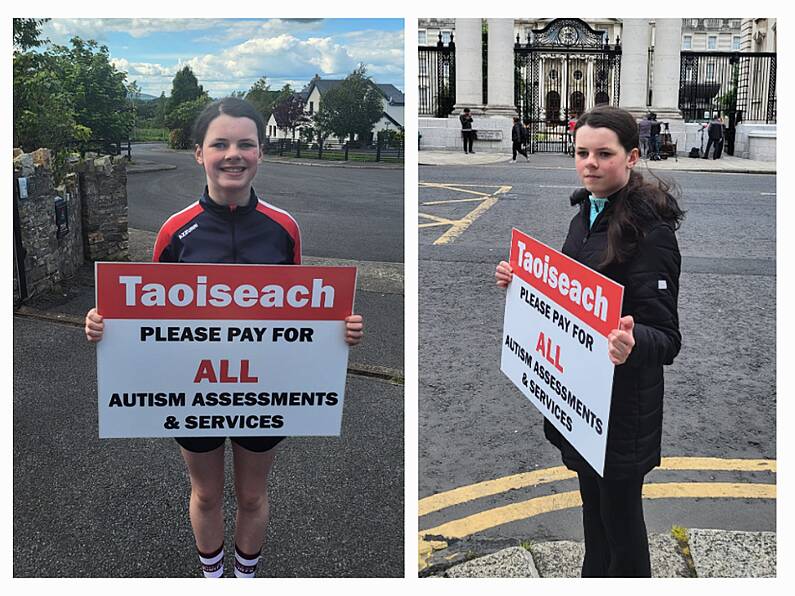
[[720, 393], [343, 212]]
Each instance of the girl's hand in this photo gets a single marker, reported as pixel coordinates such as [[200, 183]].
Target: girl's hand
[[621, 341], [94, 326], [504, 274], [354, 329]]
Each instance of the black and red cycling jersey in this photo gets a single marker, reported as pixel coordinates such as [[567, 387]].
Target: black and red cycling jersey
[[206, 232]]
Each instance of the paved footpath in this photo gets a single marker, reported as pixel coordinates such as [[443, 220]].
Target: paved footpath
[[682, 553], [726, 164]]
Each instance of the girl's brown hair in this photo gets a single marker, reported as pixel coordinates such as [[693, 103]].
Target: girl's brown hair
[[640, 204]]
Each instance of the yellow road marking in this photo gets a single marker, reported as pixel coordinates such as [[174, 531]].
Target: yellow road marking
[[452, 201], [718, 464], [457, 227], [439, 220], [492, 487], [462, 224], [487, 488], [472, 524]]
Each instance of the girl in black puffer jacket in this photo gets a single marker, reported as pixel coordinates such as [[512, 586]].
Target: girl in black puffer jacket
[[625, 230]]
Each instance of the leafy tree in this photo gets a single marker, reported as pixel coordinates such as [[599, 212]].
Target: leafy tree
[[98, 90], [26, 34], [264, 99], [180, 122], [64, 95], [187, 100], [289, 113], [351, 108], [162, 107], [44, 114]]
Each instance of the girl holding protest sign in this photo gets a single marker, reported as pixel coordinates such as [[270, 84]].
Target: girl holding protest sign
[[229, 224], [625, 229]]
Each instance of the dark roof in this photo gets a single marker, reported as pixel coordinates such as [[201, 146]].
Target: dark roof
[[392, 120], [392, 94]]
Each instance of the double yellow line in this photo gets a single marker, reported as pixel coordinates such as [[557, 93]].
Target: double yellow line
[[472, 524]]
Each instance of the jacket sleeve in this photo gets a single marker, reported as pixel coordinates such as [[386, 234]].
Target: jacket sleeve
[[163, 251], [653, 288]]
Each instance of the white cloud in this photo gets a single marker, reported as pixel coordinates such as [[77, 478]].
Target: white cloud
[[62, 30], [279, 49]]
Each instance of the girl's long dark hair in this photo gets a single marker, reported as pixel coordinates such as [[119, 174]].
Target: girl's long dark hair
[[640, 203]]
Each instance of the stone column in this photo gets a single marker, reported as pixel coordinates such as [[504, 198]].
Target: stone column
[[665, 90], [501, 68], [468, 66], [634, 64]]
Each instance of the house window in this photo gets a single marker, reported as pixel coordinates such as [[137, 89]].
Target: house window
[[710, 72], [736, 42], [311, 107], [422, 37], [445, 37], [687, 42], [712, 42]]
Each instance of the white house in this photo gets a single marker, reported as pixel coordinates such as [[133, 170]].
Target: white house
[[393, 102]]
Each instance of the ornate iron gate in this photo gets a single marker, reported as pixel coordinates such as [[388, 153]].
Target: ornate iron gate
[[437, 79], [561, 71]]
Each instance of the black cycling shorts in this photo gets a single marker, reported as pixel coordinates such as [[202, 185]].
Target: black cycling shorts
[[205, 444]]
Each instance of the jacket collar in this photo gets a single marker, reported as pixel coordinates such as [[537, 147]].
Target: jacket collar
[[223, 210]]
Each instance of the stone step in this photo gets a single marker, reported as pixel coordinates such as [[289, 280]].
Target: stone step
[[701, 553]]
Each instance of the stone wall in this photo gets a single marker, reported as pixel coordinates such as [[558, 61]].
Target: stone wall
[[96, 206], [103, 188]]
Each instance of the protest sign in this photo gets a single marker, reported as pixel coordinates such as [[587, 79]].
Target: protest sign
[[222, 350], [558, 314]]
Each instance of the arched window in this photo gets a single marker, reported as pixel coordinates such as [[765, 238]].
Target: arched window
[[553, 106], [576, 104], [601, 98]]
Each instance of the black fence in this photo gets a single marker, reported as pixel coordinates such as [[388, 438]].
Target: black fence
[[380, 152], [436, 79], [102, 147], [740, 86]]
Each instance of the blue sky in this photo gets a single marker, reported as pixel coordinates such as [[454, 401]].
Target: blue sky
[[228, 55]]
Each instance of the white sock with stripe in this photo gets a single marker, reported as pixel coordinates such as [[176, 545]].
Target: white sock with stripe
[[213, 563], [245, 565]]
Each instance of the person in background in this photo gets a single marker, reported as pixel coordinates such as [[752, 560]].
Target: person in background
[[715, 135], [518, 139], [466, 130]]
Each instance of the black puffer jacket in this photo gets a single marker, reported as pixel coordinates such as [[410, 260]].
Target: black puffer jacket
[[651, 288]]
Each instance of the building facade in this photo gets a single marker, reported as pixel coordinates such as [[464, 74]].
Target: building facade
[[548, 71]]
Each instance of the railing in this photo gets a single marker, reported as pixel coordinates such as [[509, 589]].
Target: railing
[[737, 84], [380, 152], [436, 79], [102, 147]]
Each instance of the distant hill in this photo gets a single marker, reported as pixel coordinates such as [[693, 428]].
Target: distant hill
[[145, 97]]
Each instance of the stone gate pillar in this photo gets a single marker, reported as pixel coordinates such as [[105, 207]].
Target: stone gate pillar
[[634, 65], [468, 66], [500, 68], [665, 87]]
